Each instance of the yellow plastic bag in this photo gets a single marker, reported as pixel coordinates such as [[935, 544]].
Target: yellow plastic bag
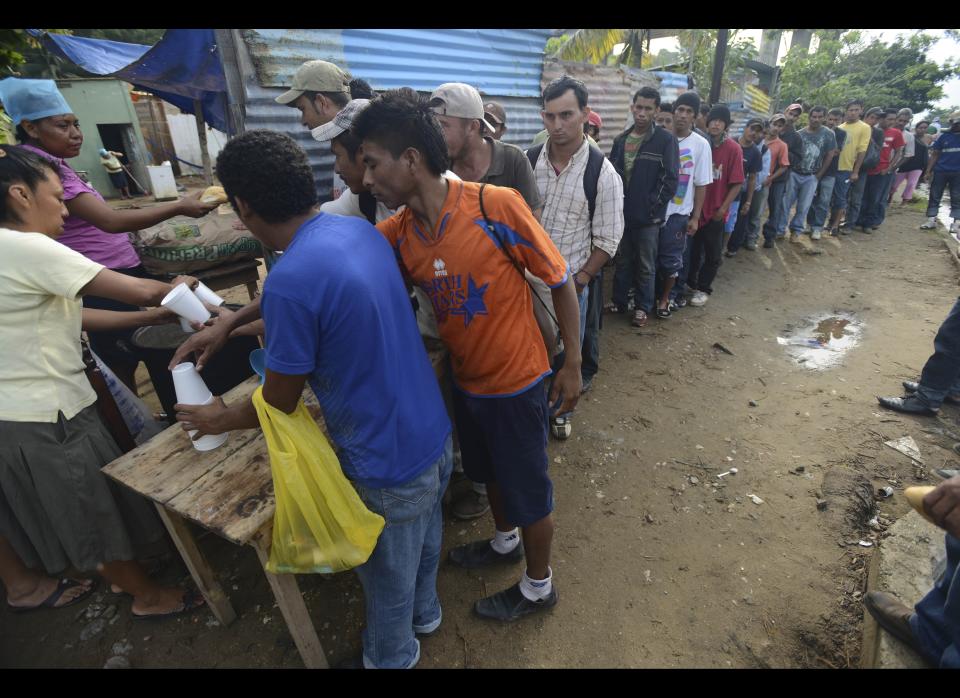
[[321, 524]]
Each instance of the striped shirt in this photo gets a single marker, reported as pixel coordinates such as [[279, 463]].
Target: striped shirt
[[566, 215]]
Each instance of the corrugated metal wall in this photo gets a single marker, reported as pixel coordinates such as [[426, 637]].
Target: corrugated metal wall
[[504, 64], [611, 91]]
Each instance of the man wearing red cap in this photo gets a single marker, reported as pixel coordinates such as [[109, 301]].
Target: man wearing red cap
[[594, 124]]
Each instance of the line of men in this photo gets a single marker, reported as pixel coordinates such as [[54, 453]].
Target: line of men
[[471, 225]]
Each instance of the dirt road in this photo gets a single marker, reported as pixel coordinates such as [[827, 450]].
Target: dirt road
[[658, 562]]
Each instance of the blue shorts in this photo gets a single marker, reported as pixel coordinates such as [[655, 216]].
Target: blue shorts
[[730, 222], [841, 187], [673, 239], [504, 440]]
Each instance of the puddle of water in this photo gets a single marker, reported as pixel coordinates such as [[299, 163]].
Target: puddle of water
[[822, 341]]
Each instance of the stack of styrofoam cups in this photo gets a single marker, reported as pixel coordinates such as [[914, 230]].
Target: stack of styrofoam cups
[[191, 390], [184, 303], [204, 293]]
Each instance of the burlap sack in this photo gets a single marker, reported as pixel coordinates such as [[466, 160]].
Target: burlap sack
[[183, 245]]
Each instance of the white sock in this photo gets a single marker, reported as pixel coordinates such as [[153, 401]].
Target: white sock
[[505, 543], [536, 589]]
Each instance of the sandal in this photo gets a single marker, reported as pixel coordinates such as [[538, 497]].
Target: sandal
[[663, 313], [192, 600], [63, 586], [639, 319]]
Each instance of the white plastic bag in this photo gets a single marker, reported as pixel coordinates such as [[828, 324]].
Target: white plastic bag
[[136, 414]]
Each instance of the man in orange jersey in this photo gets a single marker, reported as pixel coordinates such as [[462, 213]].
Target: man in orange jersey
[[467, 245]]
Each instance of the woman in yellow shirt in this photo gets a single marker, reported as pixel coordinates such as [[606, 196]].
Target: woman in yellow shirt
[[57, 510]]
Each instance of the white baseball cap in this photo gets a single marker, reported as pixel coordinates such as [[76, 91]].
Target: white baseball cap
[[460, 100]]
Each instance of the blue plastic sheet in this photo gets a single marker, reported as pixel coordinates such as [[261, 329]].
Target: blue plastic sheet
[[183, 66]]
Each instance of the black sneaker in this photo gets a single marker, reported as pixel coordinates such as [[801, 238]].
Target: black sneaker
[[912, 386], [480, 553], [730, 253], [907, 404], [768, 243], [510, 604]]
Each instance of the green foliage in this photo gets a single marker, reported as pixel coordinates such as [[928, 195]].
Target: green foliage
[[596, 46], [846, 67], [13, 43], [943, 113], [698, 49]]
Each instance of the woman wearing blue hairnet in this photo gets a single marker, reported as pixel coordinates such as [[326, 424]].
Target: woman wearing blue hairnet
[[46, 125]]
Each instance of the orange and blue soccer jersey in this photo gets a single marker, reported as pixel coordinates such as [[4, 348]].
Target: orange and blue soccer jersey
[[483, 305]]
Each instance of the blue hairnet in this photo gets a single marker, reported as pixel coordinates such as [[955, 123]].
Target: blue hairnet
[[32, 99]]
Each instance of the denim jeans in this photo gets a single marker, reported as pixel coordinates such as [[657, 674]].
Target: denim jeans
[[636, 266], [875, 200], [856, 199], [680, 286], [584, 300], [936, 624], [739, 230], [941, 373], [590, 349], [400, 577], [756, 212], [821, 203], [800, 191], [775, 203], [786, 203], [939, 182], [706, 255]]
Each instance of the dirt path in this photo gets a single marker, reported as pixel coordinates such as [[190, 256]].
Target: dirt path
[[657, 561]]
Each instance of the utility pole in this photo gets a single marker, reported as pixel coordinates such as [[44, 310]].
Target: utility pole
[[719, 57]]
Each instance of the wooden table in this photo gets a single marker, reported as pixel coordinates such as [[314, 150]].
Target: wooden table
[[230, 275], [228, 491]]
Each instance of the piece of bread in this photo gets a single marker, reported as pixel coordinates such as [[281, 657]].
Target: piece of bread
[[214, 195], [915, 496]]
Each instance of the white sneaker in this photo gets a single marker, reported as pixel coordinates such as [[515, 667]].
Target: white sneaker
[[929, 224], [955, 228], [815, 235], [699, 298]]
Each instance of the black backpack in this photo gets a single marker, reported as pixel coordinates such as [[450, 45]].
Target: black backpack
[[872, 158], [368, 206], [591, 175]]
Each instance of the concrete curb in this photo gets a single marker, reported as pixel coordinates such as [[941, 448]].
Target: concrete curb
[[906, 564]]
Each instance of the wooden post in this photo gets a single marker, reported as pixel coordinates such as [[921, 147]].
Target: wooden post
[[197, 565], [291, 605], [202, 135], [719, 57]]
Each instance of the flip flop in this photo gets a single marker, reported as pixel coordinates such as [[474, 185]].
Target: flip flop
[[192, 600], [51, 601]]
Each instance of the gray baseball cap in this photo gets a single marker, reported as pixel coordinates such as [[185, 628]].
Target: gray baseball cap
[[342, 122], [460, 100], [316, 76]]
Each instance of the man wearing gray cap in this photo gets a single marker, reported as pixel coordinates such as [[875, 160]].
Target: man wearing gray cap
[[495, 114]]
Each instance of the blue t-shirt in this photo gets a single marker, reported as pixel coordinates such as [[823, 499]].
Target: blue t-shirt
[[949, 146], [335, 307]]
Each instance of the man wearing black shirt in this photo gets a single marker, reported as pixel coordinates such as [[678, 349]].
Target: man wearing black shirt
[[789, 136]]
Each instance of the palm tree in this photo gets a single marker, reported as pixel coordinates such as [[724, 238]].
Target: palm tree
[[596, 45]]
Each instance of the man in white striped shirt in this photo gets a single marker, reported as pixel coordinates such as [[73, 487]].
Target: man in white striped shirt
[[586, 244]]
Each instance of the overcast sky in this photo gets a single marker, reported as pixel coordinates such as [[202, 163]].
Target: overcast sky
[[945, 48]]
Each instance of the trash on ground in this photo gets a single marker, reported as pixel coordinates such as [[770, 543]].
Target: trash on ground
[[885, 492], [732, 471], [717, 345], [821, 505], [907, 446], [755, 499], [865, 544]]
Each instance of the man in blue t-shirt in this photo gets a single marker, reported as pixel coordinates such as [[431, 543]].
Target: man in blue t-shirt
[[944, 163], [337, 315]]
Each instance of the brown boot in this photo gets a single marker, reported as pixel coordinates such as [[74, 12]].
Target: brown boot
[[893, 616]]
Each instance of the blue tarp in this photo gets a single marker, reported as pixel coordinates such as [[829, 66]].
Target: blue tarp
[[183, 66]]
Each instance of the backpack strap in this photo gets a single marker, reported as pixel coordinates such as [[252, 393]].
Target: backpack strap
[[591, 175], [368, 206]]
